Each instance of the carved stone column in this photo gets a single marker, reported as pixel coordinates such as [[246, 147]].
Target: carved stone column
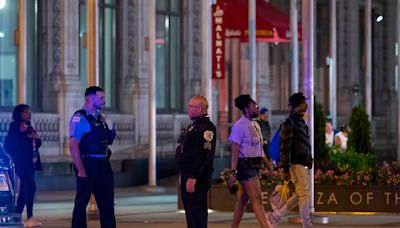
[[129, 55], [194, 87], [142, 80], [62, 91]]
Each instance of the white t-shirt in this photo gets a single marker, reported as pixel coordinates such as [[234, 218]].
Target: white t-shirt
[[329, 138], [248, 135], [343, 140]]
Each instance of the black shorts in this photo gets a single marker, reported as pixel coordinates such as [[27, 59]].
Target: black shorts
[[244, 172]]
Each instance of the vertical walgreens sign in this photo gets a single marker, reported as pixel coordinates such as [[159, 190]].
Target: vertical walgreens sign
[[218, 41]]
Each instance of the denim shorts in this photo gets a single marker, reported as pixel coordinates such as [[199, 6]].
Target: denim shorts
[[244, 172]]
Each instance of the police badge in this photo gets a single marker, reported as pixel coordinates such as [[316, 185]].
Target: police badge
[[208, 135]]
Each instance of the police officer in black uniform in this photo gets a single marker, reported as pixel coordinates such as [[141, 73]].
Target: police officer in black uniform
[[195, 157], [89, 139]]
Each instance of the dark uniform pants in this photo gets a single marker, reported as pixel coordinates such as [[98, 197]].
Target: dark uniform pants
[[100, 182], [195, 205]]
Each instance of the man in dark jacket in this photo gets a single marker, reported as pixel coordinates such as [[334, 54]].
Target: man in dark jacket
[[262, 120], [297, 160], [195, 157]]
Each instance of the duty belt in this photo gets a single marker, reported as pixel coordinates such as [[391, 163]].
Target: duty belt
[[95, 155]]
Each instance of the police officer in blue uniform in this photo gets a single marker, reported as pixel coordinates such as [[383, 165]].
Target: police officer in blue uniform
[[195, 157], [89, 139]]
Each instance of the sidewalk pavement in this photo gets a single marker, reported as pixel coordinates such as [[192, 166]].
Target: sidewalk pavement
[[138, 208]]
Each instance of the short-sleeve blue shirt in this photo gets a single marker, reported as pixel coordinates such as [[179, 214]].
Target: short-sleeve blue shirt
[[79, 125]]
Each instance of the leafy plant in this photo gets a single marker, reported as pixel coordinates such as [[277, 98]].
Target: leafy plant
[[320, 148], [360, 135], [351, 161], [348, 172]]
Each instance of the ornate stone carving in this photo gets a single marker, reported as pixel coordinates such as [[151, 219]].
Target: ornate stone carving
[[125, 127], [196, 39], [57, 39], [168, 130], [47, 126], [131, 64]]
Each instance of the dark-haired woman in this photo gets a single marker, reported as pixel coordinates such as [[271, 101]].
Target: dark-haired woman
[[246, 139], [22, 143]]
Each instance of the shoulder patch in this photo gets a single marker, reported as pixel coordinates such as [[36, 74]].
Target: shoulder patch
[[207, 145], [208, 135], [76, 119]]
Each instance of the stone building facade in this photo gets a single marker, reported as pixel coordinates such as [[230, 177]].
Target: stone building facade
[[59, 82]]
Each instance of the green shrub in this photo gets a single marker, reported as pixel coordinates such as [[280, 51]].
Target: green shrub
[[320, 148], [351, 161], [360, 135]]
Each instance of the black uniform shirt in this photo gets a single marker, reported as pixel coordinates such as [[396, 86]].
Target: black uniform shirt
[[195, 149]]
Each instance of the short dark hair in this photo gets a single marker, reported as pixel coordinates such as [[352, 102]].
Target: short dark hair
[[16, 114], [296, 99], [92, 90]]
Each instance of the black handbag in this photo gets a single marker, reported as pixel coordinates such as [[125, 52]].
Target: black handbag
[[255, 162]]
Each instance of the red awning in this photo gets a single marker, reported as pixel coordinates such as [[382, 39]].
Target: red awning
[[272, 24]]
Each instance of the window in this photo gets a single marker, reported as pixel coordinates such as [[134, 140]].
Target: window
[[107, 37], [169, 55], [8, 54], [107, 49]]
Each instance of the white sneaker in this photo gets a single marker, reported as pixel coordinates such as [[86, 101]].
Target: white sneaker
[[272, 221], [32, 222]]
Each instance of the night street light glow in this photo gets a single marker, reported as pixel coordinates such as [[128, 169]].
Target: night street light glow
[[2, 4]]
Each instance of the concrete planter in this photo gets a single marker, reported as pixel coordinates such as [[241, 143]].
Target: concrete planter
[[326, 198]]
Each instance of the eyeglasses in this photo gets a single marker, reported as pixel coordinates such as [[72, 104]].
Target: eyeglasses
[[193, 106]]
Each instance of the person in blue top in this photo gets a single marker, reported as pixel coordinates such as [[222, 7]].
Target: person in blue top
[[89, 140]]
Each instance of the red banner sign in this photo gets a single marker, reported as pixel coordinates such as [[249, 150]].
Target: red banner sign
[[218, 42]]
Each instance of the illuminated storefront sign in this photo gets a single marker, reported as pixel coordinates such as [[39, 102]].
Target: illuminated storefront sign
[[218, 42]]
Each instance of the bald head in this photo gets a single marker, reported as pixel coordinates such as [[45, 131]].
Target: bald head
[[198, 105]]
